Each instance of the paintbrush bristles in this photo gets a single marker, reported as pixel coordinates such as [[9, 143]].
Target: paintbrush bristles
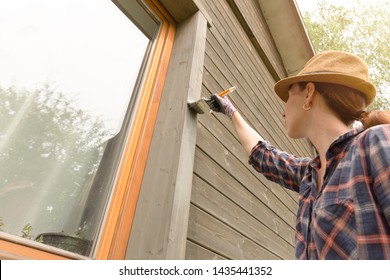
[[226, 92]]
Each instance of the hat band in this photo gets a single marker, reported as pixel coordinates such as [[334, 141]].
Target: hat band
[[323, 72]]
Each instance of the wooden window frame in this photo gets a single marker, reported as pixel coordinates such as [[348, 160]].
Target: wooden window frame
[[120, 216], [160, 226], [116, 228]]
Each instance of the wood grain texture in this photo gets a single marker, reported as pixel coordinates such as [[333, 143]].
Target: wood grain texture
[[223, 239], [250, 225], [196, 252], [232, 205], [160, 224]]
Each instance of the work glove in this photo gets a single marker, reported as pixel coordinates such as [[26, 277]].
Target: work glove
[[222, 105]]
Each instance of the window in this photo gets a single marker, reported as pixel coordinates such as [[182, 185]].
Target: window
[[77, 79]]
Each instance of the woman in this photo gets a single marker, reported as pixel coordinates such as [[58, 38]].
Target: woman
[[344, 193]]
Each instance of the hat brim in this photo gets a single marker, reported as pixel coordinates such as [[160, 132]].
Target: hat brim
[[281, 87]]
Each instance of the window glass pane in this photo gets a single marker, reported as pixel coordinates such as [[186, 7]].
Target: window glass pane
[[67, 73]]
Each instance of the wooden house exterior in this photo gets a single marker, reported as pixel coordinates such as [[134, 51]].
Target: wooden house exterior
[[184, 188]]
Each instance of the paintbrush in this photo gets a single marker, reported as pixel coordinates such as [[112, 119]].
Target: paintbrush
[[204, 105]]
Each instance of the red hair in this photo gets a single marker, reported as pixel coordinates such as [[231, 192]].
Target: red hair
[[349, 104]]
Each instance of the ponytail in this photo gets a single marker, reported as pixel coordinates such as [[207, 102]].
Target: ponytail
[[372, 118]]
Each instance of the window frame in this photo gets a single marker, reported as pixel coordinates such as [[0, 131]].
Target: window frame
[[116, 228], [120, 215]]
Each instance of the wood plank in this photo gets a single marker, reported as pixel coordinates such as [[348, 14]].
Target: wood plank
[[229, 162], [223, 176], [239, 48], [223, 240], [234, 36], [253, 15], [235, 43], [197, 252], [224, 209], [160, 224], [288, 198], [222, 128], [216, 63], [231, 144], [231, 64], [255, 112], [251, 18], [213, 174], [180, 10]]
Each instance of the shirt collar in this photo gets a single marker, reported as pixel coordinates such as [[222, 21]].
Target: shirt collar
[[346, 136], [337, 145]]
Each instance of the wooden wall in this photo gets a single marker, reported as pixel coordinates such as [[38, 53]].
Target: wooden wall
[[235, 212]]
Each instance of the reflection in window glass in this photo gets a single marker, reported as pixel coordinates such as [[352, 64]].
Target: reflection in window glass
[[67, 72]]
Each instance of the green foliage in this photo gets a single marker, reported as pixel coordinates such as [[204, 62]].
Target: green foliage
[[363, 29], [26, 231], [50, 130], [48, 148]]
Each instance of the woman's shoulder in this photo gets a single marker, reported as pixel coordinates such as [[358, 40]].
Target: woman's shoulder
[[381, 127], [376, 136], [382, 130]]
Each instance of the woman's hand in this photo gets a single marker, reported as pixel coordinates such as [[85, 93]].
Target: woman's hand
[[223, 105]]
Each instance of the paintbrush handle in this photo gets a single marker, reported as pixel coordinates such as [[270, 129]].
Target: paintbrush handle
[[226, 92]]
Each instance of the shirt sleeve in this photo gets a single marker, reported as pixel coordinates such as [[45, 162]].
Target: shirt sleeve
[[278, 166], [372, 193], [377, 151]]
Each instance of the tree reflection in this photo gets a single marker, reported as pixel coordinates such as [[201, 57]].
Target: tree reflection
[[50, 150]]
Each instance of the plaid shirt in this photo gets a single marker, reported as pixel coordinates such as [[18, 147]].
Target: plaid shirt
[[350, 217]]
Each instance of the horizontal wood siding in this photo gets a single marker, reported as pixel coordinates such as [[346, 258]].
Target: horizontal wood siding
[[235, 212], [258, 31], [194, 251]]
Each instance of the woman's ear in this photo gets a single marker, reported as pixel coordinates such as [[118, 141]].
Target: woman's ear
[[310, 90]]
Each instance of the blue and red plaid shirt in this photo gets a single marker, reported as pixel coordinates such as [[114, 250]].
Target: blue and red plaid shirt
[[349, 218]]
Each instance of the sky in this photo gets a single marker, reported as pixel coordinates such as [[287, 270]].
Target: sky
[[310, 5], [86, 49]]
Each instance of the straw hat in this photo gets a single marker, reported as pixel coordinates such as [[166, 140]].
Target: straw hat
[[334, 67]]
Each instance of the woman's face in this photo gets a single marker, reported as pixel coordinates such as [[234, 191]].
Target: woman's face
[[296, 118]]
